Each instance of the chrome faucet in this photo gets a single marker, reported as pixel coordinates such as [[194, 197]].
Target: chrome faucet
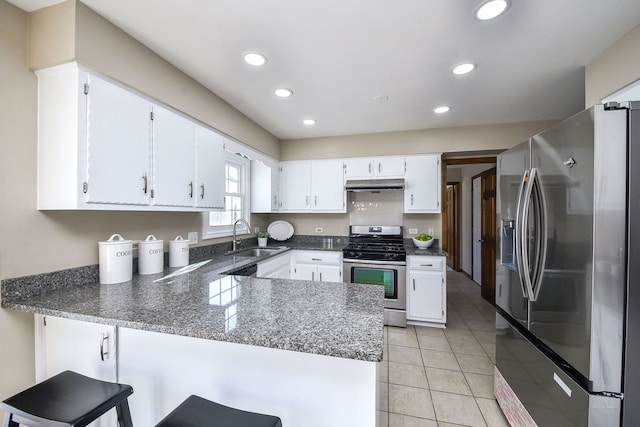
[[235, 241]]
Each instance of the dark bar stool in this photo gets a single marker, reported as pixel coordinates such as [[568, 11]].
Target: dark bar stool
[[199, 412], [67, 400]]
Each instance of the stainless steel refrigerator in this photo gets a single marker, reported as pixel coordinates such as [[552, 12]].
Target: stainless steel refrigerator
[[568, 273]]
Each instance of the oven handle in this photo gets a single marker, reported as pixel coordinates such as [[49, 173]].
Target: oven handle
[[367, 261]]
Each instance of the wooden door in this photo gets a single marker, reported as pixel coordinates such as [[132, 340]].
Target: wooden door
[[488, 274]]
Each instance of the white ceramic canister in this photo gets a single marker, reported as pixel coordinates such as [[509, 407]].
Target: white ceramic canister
[[115, 260], [150, 255], [178, 252]]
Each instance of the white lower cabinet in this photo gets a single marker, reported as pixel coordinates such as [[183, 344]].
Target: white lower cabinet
[[321, 266], [277, 267], [86, 348], [426, 290]]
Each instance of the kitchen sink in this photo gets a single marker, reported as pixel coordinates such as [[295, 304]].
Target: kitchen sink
[[255, 252]]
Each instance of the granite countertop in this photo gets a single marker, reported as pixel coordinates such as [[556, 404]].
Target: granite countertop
[[332, 319], [413, 250], [434, 250]]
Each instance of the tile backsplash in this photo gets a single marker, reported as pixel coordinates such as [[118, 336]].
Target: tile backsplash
[[375, 208]]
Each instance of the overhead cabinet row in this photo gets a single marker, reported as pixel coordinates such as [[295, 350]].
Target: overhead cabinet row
[[319, 185], [101, 146]]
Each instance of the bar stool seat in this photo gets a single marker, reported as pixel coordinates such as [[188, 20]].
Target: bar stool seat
[[199, 412], [67, 400]]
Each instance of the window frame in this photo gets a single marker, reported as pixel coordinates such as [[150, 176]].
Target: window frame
[[219, 231]]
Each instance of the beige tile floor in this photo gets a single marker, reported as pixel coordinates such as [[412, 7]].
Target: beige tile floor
[[433, 377]]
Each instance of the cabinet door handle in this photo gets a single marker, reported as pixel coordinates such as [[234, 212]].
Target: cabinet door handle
[[379, 167], [321, 277], [370, 169], [202, 195], [414, 284], [191, 190], [146, 186], [313, 276], [103, 338], [306, 200], [315, 200], [412, 200]]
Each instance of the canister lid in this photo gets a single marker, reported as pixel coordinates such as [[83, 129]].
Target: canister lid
[[115, 239]]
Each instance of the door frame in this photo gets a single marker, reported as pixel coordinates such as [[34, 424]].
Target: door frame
[[454, 255], [473, 210], [458, 162]]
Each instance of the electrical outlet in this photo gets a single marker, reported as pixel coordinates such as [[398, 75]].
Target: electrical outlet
[[319, 230], [255, 230], [413, 231], [193, 237], [431, 232]]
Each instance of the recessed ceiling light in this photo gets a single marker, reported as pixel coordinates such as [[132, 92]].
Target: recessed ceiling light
[[381, 98], [492, 9], [255, 59], [309, 122], [283, 92], [464, 68], [441, 110]]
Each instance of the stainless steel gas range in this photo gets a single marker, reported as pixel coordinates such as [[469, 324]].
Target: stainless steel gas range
[[375, 255]]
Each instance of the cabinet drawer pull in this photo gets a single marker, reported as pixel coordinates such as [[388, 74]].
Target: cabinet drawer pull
[[103, 338], [316, 259], [426, 265]]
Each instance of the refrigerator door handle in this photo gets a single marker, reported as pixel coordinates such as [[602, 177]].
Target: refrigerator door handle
[[518, 233], [524, 235], [540, 206]]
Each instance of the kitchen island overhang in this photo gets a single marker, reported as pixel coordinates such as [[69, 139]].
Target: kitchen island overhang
[[305, 351]]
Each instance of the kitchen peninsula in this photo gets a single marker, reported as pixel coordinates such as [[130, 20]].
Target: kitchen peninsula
[[302, 350]]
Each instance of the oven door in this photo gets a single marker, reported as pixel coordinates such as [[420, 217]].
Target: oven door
[[389, 274]]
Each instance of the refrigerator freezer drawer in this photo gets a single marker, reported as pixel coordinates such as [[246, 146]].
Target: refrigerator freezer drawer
[[550, 396]]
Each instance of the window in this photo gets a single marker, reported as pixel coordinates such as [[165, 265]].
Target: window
[[220, 223]]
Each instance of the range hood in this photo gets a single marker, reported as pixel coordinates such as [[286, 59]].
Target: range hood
[[374, 184]]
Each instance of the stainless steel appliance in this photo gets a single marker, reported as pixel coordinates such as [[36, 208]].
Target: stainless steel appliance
[[375, 255], [568, 272]]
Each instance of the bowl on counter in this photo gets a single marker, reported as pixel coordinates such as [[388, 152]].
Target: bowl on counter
[[422, 244]]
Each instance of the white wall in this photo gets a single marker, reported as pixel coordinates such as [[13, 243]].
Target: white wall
[[615, 68], [17, 191]]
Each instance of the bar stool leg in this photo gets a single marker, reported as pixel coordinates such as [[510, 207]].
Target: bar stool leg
[[8, 421], [124, 416]]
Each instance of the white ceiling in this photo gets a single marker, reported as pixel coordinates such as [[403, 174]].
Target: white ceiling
[[337, 55]]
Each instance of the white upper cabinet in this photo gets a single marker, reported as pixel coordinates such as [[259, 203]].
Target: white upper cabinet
[[312, 186], [174, 144], [99, 148], [295, 186], [359, 167], [422, 184], [209, 190], [264, 188], [327, 186], [118, 141]]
